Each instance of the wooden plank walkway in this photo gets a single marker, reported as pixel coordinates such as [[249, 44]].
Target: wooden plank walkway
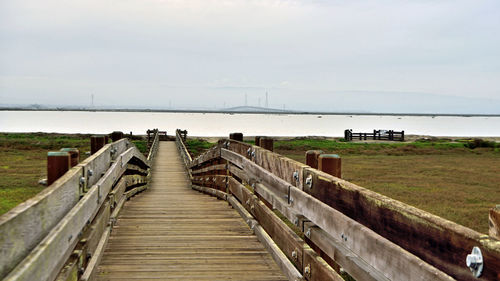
[[171, 232]]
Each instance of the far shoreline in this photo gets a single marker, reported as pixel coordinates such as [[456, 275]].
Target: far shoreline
[[249, 112]]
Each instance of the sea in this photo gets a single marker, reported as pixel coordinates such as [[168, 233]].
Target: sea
[[251, 124]]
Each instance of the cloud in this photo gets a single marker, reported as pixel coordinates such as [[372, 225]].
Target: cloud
[[182, 50]]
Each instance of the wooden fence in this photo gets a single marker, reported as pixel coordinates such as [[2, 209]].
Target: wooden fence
[[376, 135], [61, 233], [370, 236]]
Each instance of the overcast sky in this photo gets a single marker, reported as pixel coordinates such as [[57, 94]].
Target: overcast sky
[[324, 55]]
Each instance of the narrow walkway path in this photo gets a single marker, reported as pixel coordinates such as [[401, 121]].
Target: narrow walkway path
[[171, 232]]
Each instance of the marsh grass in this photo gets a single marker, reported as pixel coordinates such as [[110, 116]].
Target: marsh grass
[[197, 146], [447, 179], [23, 162]]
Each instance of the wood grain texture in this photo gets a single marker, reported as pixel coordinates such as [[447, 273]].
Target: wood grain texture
[[23, 227], [437, 241], [494, 223], [171, 232]]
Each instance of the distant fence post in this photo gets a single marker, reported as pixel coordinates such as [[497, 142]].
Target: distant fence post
[[116, 135], [494, 222], [330, 164], [74, 155], [96, 143], [348, 135], [403, 135], [58, 163], [312, 158], [236, 136], [267, 143]]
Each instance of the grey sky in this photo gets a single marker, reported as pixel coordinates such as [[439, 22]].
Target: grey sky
[[204, 53]]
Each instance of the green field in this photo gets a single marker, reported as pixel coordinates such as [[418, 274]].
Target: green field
[[23, 162], [449, 179], [457, 180]]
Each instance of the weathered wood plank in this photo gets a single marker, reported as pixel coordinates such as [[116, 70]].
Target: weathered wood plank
[[217, 193], [213, 181], [23, 227], [118, 190], [279, 257], [437, 241], [316, 269], [209, 169], [282, 235], [91, 270], [46, 259], [382, 254], [239, 173], [212, 153], [336, 250], [256, 171], [280, 166], [93, 234], [154, 147], [289, 243], [375, 211], [494, 223], [278, 202]]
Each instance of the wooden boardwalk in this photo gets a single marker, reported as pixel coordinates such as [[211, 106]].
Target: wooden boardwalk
[[171, 232]]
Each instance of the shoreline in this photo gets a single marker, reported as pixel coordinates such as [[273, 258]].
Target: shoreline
[[252, 112]]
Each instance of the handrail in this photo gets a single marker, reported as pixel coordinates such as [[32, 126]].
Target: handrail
[[344, 218], [154, 146], [181, 145], [37, 237]]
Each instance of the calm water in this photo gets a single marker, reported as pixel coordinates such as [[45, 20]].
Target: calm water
[[218, 124]]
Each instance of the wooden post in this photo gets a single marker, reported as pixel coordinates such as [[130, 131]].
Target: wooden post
[[116, 135], [236, 136], [403, 135], [257, 140], [330, 164], [312, 158], [96, 143], [74, 155], [267, 143], [58, 163], [494, 222]]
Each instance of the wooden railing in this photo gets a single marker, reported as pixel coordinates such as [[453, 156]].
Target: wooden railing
[[376, 135], [370, 236], [61, 232], [180, 140]]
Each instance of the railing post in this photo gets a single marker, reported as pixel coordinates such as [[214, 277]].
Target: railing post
[[257, 140], [312, 158], [330, 164], [58, 163], [236, 136], [494, 222], [267, 143], [116, 135], [96, 143], [74, 155]]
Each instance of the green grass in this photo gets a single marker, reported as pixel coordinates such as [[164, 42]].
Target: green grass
[[395, 148], [23, 162], [142, 145], [447, 179], [198, 146]]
